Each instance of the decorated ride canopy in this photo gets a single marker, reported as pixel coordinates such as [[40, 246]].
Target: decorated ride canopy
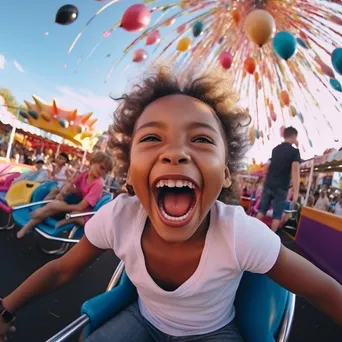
[[68, 124], [284, 56], [330, 161]]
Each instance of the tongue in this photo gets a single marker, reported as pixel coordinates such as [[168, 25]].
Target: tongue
[[177, 204]]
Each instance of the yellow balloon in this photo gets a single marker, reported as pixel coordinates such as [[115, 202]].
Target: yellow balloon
[[184, 44], [259, 26]]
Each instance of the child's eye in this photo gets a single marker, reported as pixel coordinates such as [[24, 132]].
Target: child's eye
[[202, 140], [150, 138]]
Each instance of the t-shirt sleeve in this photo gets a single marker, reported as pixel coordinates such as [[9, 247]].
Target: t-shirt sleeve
[[296, 156], [94, 194], [257, 247], [99, 229]]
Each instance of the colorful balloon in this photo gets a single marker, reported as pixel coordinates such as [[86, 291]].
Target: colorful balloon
[[273, 116], [181, 28], [66, 15], [136, 18], [197, 28], [293, 111], [249, 65], [139, 55], [226, 59], [259, 26], [184, 44], [281, 130], [236, 16], [336, 60], [336, 84], [302, 43], [284, 98], [153, 37], [284, 45], [257, 134]]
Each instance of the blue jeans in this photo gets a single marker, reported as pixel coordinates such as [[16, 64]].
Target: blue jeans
[[130, 326], [275, 196]]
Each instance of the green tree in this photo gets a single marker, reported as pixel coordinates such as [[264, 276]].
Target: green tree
[[11, 101]]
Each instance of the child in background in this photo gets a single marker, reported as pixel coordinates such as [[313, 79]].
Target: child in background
[[59, 174], [88, 185], [178, 146]]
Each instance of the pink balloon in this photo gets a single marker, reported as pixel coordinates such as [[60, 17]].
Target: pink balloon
[[181, 28], [226, 59], [136, 18], [139, 55], [273, 116], [153, 37]]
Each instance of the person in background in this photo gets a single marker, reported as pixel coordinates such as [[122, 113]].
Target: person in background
[[284, 166], [338, 207], [322, 202], [89, 187], [59, 174], [39, 175]]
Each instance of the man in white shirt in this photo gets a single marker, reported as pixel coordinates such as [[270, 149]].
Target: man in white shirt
[[322, 202]]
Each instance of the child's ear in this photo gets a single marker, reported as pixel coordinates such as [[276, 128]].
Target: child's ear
[[227, 182]]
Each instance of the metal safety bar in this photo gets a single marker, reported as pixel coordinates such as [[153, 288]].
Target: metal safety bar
[[285, 328], [69, 330], [18, 207], [83, 320], [71, 216], [56, 238]]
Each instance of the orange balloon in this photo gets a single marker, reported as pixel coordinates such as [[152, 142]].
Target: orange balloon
[[249, 65], [284, 98], [271, 107], [236, 16]]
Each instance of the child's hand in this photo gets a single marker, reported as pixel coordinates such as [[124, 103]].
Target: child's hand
[[5, 328]]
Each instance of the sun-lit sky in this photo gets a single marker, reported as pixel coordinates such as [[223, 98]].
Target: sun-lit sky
[[34, 59]]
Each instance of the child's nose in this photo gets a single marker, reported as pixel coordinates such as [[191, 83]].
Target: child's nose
[[175, 157]]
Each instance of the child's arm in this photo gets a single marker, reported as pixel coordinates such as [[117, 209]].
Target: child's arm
[[53, 275], [303, 278]]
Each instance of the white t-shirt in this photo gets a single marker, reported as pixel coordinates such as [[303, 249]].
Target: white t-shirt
[[61, 175], [322, 203], [234, 243], [338, 209]]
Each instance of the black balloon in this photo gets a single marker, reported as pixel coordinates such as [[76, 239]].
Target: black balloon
[[66, 15]]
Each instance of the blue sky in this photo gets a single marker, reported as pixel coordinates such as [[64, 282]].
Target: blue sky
[[34, 62]]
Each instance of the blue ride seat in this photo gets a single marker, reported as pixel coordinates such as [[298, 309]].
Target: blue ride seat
[[264, 309]]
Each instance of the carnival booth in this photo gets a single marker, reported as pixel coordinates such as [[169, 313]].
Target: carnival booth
[[319, 234]]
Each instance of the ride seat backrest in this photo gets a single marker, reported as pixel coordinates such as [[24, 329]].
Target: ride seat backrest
[[42, 191], [106, 198]]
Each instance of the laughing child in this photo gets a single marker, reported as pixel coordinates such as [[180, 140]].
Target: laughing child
[[184, 248]]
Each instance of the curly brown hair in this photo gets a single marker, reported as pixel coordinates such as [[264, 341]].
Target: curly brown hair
[[210, 88]]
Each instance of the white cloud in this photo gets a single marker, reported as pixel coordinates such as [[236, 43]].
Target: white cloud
[[86, 101], [2, 62], [18, 66]]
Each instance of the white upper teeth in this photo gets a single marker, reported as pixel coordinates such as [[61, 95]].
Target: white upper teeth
[[171, 183]]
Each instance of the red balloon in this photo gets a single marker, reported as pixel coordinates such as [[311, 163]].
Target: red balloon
[[226, 59], [136, 18], [139, 55], [273, 116], [181, 28], [153, 37]]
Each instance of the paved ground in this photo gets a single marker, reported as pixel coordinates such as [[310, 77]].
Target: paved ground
[[42, 319]]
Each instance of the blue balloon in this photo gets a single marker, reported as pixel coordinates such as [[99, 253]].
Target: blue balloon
[[336, 84], [336, 60], [257, 134], [301, 42], [197, 28], [284, 44]]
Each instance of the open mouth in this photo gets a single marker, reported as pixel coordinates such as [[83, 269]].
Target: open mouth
[[176, 199]]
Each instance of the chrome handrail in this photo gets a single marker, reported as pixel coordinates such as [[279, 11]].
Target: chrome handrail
[[286, 325], [23, 206], [71, 216]]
